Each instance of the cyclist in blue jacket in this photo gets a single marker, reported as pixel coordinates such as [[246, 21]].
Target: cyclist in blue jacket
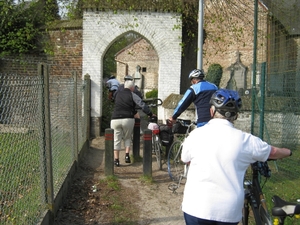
[[199, 93]]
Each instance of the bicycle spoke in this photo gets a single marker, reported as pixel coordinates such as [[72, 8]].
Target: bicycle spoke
[[175, 165], [158, 154]]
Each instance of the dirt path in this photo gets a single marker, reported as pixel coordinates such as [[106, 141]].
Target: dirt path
[[152, 203]]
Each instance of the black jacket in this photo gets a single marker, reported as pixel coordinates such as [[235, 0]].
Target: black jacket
[[124, 105]]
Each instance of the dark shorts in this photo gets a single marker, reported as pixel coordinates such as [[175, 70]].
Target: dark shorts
[[191, 220]]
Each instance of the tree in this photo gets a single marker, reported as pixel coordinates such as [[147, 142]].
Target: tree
[[51, 10], [22, 24], [109, 59], [18, 33]]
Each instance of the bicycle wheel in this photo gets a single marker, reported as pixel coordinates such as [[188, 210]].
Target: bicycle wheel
[[157, 150], [175, 165], [264, 216], [261, 216], [245, 215]]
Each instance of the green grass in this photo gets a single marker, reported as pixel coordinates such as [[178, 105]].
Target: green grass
[[284, 182], [22, 174], [146, 179], [20, 179], [122, 212]]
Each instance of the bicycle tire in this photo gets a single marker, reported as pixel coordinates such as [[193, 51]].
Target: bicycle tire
[[245, 216], [265, 216], [157, 149], [261, 216], [175, 165]]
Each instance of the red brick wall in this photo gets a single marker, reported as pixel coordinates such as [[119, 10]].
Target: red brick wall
[[65, 56]]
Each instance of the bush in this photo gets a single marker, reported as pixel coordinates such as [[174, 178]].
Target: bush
[[214, 74], [152, 94]]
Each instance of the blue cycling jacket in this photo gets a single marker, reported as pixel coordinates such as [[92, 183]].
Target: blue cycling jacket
[[200, 94]]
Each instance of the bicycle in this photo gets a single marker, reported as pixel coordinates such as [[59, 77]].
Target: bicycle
[[177, 169], [254, 199], [157, 148]]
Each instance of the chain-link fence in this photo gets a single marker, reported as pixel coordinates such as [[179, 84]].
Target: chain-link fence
[[43, 130], [275, 98]]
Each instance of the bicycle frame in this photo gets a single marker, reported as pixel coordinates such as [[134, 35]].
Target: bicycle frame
[[176, 168], [254, 197]]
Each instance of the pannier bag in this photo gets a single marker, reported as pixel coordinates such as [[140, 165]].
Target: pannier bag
[[181, 126], [166, 135]]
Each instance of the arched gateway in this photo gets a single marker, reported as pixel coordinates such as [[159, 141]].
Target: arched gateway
[[101, 29]]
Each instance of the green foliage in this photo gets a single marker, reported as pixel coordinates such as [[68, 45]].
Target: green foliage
[[21, 24], [152, 94], [17, 32], [109, 62], [51, 10], [106, 114], [76, 11], [188, 10], [214, 74]]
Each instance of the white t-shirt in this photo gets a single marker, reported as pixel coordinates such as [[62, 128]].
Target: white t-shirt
[[220, 155]]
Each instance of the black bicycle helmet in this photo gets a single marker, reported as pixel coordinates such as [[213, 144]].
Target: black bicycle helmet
[[196, 74], [152, 119], [227, 102], [128, 77]]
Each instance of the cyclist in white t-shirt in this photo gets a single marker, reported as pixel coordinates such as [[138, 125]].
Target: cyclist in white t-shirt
[[219, 156]]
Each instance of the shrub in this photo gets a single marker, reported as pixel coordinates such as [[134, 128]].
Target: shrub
[[152, 94], [214, 74]]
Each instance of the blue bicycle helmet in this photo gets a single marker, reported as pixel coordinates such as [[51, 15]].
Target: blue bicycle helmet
[[226, 102], [196, 74]]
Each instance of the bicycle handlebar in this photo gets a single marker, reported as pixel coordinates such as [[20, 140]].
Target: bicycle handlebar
[[153, 102]]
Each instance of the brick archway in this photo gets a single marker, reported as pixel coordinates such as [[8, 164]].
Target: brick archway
[[100, 30]]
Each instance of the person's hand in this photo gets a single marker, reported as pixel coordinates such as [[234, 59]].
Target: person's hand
[[137, 116], [171, 120]]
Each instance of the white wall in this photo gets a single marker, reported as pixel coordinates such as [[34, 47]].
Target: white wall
[[101, 29]]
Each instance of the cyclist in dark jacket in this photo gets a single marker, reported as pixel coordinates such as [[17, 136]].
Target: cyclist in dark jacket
[[122, 120], [136, 89], [200, 93]]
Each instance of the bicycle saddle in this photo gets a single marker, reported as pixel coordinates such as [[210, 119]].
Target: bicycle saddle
[[283, 208]]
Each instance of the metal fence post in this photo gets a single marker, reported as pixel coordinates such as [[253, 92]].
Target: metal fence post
[[136, 138], [46, 148], [109, 152], [87, 105], [147, 153], [75, 117]]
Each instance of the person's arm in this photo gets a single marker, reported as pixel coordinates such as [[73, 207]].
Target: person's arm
[[137, 92], [183, 104], [279, 153], [139, 102]]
